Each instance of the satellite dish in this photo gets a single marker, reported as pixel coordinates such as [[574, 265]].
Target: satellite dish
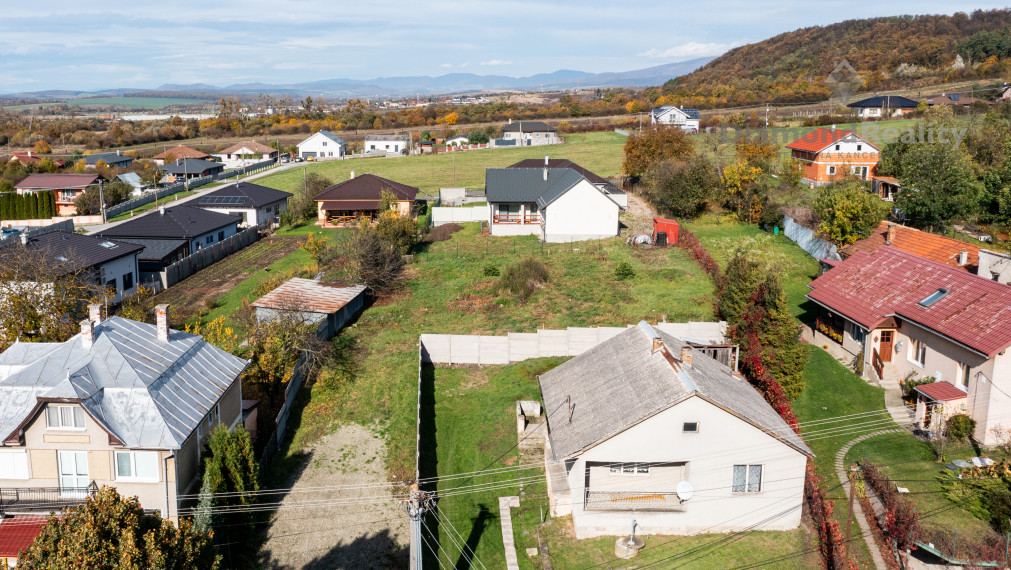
[[684, 491]]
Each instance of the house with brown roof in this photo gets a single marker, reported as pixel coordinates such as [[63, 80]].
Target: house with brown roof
[[242, 154], [30, 158], [949, 251], [65, 187], [902, 316], [179, 152], [358, 198], [827, 155]]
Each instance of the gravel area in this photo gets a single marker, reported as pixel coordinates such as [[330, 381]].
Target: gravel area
[[307, 534], [639, 216]]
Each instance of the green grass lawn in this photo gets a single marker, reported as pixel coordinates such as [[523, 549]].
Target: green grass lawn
[[598, 152], [151, 205]]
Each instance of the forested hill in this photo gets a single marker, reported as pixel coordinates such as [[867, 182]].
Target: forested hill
[[888, 53]]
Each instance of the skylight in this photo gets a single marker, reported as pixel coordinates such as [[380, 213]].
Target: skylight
[[108, 245], [933, 297], [61, 259]]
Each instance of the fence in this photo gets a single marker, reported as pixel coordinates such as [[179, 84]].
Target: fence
[[514, 347], [202, 258], [453, 215], [805, 238]]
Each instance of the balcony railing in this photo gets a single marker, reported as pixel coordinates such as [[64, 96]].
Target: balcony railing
[[516, 219], [43, 499], [631, 501]]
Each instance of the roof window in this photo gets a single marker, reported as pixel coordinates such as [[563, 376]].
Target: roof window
[[108, 245], [933, 297]]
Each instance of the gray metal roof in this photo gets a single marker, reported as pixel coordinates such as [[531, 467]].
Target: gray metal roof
[[527, 184], [144, 392], [330, 136], [242, 195], [72, 251], [108, 158], [181, 221], [193, 166], [622, 382], [371, 138], [528, 127], [156, 249]]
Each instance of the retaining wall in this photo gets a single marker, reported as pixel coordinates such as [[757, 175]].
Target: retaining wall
[[806, 239]]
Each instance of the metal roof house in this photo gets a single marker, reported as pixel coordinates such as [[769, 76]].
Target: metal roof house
[[65, 187], [189, 168], [634, 418], [358, 197], [392, 145], [826, 155], [883, 106], [529, 133], [256, 204], [686, 119], [322, 145], [555, 204], [197, 226], [113, 159], [123, 403], [616, 194]]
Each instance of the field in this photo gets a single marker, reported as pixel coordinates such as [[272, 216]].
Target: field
[[147, 103], [599, 152]]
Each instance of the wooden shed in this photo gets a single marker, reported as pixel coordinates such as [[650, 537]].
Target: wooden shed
[[331, 306], [671, 227]]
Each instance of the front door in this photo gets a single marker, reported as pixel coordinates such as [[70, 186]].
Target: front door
[[885, 348], [74, 474]]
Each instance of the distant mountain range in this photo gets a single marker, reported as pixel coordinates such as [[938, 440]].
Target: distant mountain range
[[401, 86]]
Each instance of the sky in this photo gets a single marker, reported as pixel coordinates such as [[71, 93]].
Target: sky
[[101, 44]]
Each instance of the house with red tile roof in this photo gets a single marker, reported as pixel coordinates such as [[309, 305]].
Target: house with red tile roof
[[30, 158], [826, 155], [17, 533], [946, 250], [902, 315]]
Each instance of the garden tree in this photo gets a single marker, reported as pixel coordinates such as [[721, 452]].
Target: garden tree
[[139, 306], [396, 230], [742, 278], [682, 187], [477, 136], [939, 184], [302, 204], [112, 532], [426, 135], [90, 201], [451, 118], [651, 147], [742, 189], [42, 147], [362, 256], [758, 152], [230, 477], [42, 299], [277, 344], [387, 200], [849, 212]]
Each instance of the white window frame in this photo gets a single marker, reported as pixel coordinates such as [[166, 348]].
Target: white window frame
[[831, 170], [747, 479], [18, 458], [963, 375], [77, 412], [630, 468], [134, 478], [917, 352]]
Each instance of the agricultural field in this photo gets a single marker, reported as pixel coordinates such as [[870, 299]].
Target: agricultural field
[[123, 103]]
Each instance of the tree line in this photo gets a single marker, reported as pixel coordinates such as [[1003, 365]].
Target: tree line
[[27, 206]]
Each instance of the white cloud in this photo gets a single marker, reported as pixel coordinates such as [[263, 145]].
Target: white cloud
[[690, 50], [496, 62], [447, 65]]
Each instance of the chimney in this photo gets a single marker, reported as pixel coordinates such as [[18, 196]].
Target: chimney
[[29, 154], [833, 128], [161, 318], [24, 237], [890, 236], [117, 152], [545, 173], [352, 175], [87, 334], [510, 121], [95, 313], [963, 258], [546, 161], [161, 210], [686, 355]]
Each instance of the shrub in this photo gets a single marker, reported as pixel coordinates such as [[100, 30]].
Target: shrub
[[624, 271], [491, 270], [523, 278], [961, 426]]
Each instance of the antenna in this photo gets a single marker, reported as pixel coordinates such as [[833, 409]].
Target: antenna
[[684, 491]]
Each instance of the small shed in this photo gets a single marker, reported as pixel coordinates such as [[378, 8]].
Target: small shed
[[331, 306], [671, 227]]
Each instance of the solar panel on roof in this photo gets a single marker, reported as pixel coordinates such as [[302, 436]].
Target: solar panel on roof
[[954, 97], [223, 199]]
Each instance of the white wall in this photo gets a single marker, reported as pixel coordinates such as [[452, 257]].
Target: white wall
[[991, 263], [722, 441], [583, 212], [455, 215], [395, 146], [116, 269], [321, 146], [850, 147]]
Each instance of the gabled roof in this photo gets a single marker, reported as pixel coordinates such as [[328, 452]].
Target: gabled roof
[[144, 392], [528, 127], [594, 179], [326, 134], [622, 382], [885, 101], [923, 244], [312, 295], [242, 195], [74, 251], [367, 187], [180, 151], [252, 146], [192, 166], [688, 113], [131, 178], [941, 391], [455, 137], [175, 222], [107, 157], [868, 288], [820, 139], [29, 157], [375, 138], [57, 181], [156, 249], [18, 532]]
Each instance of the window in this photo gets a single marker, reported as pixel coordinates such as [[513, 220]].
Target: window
[[136, 466], [324, 143], [857, 333], [13, 465], [831, 170], [918, 352], [933, 297], [747, 479], [64, 417], [127, 281], [221, 236], [692, 427], [837, 147], [860, 147], [630, 469], [208, 240], [963, 375], [214, 417]]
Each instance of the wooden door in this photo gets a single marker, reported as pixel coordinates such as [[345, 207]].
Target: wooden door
[[885, 350]]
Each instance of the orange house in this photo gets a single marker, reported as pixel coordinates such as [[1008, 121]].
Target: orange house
[[826, 155]]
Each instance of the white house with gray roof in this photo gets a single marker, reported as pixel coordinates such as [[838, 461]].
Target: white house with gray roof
[[637, 415], [555, 204], [322, 145], [687, 119], [123, 403]]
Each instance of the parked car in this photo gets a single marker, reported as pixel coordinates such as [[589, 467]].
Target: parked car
[[299, 159]]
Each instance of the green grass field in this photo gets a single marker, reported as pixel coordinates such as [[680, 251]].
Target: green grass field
[[598, 152], [147, 103]]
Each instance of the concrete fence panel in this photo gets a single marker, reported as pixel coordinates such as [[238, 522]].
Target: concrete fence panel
[[465, 349], [553, 342], [808, 241], [522, 346], [493, 349], [447, 215]]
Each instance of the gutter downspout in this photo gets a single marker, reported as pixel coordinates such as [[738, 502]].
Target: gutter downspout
[[165, 476]]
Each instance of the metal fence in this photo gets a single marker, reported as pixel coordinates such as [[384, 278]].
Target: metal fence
[[195, 262]]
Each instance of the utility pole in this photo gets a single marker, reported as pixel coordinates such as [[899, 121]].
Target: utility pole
[[849, 515], [766, 115], [101, 199], [416, 506]]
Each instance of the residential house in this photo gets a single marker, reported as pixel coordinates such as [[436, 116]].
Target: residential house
[[111, 263], [359, 197], [133, 179], [329, 306], [322, 145], [179, 152], [826, 155], [30, 158], [198, 227], [555, 204], [190, 168], [243, 154], [458, 140], [643, 426], [65, 187], [949, 251], [156, 256], [883, 106], [903, 316], [995, 266], [17, 533], [530, 133], [956, 101], [605, 185], [123, 403], [112, 159], [254, 203], [686, 119], [394, 145]]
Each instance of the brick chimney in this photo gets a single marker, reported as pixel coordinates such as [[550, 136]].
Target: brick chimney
[[686, 355], [87, 334], [890, 236], [161, 319], [95, 313]]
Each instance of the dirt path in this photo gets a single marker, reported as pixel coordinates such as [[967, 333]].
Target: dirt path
[[192, 293], [639, 216], [370, 535]]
